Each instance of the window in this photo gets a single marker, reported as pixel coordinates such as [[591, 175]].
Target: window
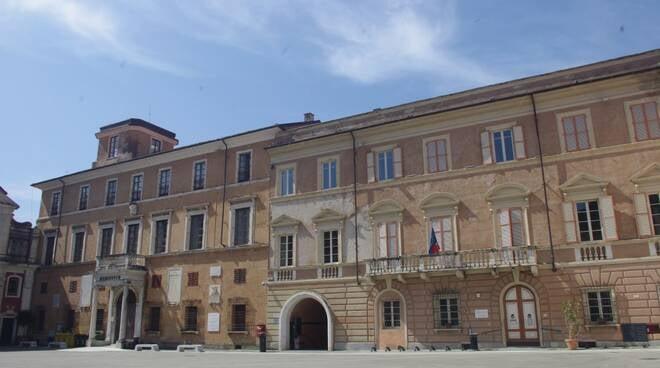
[[391, 314], [43, 288], [287, 181], [155, 146], [444, 232], [191, 319], [49, 254], [503, 145], [286, 250], [512, 231], [646, 121], [244, 163], [238, 316], [600, 306], [164, 178], [111, 192], [389, 239], [156, 281], [55, 203], [436, 156], [239, 275], [329, 174], [137, 183], [13, 287], [107, 234], [385, 165], [445, 311], [73, 286], [576, 133], [654, 203], [241, 225], [154, 319], [113, 148], [588, 217], [160, 239], [196, 231], [331, 246], [193, 279], [132, 238], [199, 175], [83, 198], [78, 245], [99, 319]]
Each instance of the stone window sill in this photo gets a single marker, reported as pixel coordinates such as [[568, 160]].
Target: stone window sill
[[190, 332]]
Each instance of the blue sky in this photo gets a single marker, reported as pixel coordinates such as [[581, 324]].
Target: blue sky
[[209, 68]]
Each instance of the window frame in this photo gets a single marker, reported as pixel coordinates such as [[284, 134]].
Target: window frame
[[19, 286], [453, 230], [293, 250], [501, 130], [630, 119], [205, 175], [232, 220], [278, 181], [238, 165], [447, 155], [193, 279], [187, 327], [562, 134], [387, 237], [523, 224], [152, 146], [77, 230], [438, 300], [154, 233], [234, 325], [113, 146], [377, 152], [85, 188], [321, 176], [51, 210], [169, 182], [99, 240], [189, 213], [152, 319], [598, 290], [392, 320], [652, 224], [128, 223], [240, 275], [589, 221], [99, 326], [49, 235], [133, 189], [107, 192]]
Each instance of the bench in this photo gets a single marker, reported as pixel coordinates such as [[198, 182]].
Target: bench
[[152, 347], [182, 348], [27, 344], [57, 345]]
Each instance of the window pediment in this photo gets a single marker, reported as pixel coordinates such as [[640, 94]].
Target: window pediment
[[386, 210], [507, 195], [583, 186], [327, 215], [284, 221], [438, 204], [648, 178]]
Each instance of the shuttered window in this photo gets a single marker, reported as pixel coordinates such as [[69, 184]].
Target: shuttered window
[[646, 121], [436, 156], [512, 232], [444, 232], [389, 239], [576, 134]]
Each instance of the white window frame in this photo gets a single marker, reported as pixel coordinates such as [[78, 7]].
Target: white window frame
[[492, 144], [206, 174], [59, 203], [238, 155], [80, 190], [20, 286], [102, 226], [377, 152], [278, 180], [169, 182], [232, 211], [321, 162], [425, 141], [321, 233], [152, 240], [128, 222], [629, 118], [130, 194], [398, 236], [279, 250], [587, 312], [454, 228], [498, 226], [590, 129], [76, 230], [113, 153], [151, 146], [107, 188], [191, 212]]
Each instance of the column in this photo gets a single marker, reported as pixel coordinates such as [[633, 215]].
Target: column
[[111, 316], [138, 314], [92, 318], [122, 322]]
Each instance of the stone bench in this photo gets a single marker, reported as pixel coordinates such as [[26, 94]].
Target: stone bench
[[57, 345], [27, 344], [152, 347], [182, 348]]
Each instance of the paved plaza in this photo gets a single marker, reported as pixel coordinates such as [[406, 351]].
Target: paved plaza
[[535, 358]]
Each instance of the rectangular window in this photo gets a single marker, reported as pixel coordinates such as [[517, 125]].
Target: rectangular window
[[240, 275], [238, 317], [588, 217], [389, 239], [331, 246], [196, 232], [654, 203], [436, 156], [83, 198], [164, 178], [55, 203], [329, 174], [106, 241], [99, 319], [132, 238], [50, 250], [444, 232], [199, 175], [503, 145], [385, 165], [137, 184], [73, 286], [113, 148], [286, 250], [391, 314], [241, 226], [244, 162], [160, 239], [576, 134], [156, 281], [78, 246], [43, 288], [154, 319], [287, 181], [191, 318], [111, 193], [646, 120], [155, 146], [445, 311], [600, 306], [512, 231], [193, 279]]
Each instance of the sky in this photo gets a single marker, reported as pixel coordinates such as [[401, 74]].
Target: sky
[[210, 68]]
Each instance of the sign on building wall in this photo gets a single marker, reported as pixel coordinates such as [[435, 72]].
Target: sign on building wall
[[215, 271], [481, 313], [213, 322], [174, 286], [214, 294], [86, 290]]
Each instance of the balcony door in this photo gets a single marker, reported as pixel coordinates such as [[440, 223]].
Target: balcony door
[[521, 317]]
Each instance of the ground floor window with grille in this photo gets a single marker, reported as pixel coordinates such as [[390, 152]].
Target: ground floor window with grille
[[191, 318], [238, 317], [600, 306], [99, 319], [154, 319], [445, 311], [391, 314]]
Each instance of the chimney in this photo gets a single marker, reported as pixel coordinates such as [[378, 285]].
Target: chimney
[[309, 117]]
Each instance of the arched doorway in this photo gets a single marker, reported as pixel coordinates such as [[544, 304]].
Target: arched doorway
[[130, 315], [521, 317], [306, 323], [390, 320]]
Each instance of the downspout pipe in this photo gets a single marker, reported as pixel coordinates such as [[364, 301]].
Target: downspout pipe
[[355, 209], [59, 219], [545, 185], [224, 195]]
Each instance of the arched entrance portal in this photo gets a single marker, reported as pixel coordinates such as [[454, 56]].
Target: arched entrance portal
[[521, 319], [306, 323], [130, 315]]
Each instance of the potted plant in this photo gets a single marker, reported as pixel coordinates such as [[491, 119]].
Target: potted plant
[[570, 309]]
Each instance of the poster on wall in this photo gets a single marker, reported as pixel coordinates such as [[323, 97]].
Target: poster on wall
[[213, 322], [481, 313]]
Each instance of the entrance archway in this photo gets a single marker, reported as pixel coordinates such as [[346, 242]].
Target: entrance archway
[[521, 325], [130, 315], [306, 323]]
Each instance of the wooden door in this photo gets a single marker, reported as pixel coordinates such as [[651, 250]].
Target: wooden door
[[521, 317]]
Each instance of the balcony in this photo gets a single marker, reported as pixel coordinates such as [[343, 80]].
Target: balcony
[[484, 259], [323, 272], [120, 269]]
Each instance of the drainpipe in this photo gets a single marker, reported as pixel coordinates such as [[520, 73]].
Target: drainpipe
[[224, 196], [59, 221], [355, 206], [545, 186]]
